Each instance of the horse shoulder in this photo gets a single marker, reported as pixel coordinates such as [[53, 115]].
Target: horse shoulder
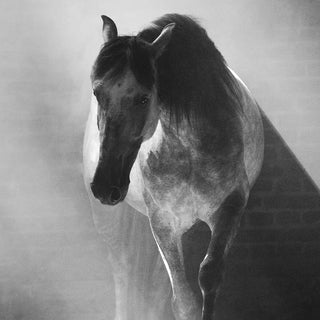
[[137, 185]]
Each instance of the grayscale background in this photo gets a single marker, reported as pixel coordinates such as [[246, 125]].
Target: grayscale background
[[52, 263]]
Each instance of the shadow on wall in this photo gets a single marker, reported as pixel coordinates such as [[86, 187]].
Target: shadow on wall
[[273, 268]]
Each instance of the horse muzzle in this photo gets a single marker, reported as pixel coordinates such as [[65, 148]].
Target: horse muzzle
[[109, 186], [110, 196], [111, 180]]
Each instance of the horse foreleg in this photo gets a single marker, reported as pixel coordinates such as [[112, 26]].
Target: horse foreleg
[[120, 274], [112, 224], [223, 225], [167, 234]]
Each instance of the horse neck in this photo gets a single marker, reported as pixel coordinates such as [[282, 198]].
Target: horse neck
[[174, 133], [218, 137]]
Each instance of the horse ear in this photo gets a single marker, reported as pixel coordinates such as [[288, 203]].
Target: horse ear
[[159, 44], [109, 29]]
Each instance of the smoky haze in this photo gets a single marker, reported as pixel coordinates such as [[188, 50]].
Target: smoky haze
[[52, 261]]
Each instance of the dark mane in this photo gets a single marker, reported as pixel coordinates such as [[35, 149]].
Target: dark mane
[[124, 52], [193, 79]]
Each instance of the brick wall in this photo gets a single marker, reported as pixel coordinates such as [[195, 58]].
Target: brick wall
[[274, 266], [283, 211]]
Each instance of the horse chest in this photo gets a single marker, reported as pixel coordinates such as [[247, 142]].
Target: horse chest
[[175, 183], [167, 172]]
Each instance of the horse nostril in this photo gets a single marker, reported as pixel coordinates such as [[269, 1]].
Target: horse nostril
[[115, 195]]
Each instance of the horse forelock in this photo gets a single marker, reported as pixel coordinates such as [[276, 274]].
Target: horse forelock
[[121, 54], [193, 79]]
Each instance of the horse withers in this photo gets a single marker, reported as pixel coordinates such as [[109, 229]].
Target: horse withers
[[175, 134]]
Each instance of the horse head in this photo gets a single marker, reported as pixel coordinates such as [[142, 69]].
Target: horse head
[[123, 81]]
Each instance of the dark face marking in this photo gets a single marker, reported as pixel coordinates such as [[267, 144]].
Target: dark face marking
[[122, 117], [123, 111]]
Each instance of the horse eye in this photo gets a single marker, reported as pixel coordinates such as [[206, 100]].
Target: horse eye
[[144, 99]]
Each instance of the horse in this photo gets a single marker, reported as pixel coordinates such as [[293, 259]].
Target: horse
[[175, 134]]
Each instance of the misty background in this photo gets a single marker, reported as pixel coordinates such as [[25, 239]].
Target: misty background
[[52, 263]]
